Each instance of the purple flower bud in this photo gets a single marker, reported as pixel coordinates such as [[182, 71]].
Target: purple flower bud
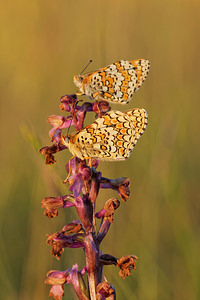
[[59, 121], [94, 186], [83, 178], [79, 119], [107, 214], [58, 278], [105, 225], [84, 210], [67, 102], [107, 259], [78, 283], [75, 184]]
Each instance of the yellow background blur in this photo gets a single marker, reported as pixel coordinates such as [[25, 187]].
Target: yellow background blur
[[43, 44]]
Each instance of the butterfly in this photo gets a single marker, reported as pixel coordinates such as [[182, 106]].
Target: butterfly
[[116, 82], [110, 137]]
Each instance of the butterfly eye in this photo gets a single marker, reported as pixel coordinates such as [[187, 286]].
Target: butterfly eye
[[80, 78], [65, 140]]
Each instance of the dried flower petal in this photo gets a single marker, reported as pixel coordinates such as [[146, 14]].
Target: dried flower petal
[[120, 184], [52, 204], [49, 151], [106, 290], [58, 277], [74, 227], [49, 159], [126, 264], [58, 241], [109, 207], [57, 292]]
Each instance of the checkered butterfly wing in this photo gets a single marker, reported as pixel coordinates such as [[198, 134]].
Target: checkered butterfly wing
[[116, 82], [139, 117], [113, 136]]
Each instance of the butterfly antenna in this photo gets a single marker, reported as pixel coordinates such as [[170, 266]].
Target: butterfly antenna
[[71, 119], [70, 125], [86, 66], [77, 100]]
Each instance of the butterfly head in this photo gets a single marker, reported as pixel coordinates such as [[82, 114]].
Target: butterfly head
[[65, 140], [78, 80]]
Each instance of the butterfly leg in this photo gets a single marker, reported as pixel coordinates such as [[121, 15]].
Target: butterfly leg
[[90, 162], [96, 97], [70, 169]]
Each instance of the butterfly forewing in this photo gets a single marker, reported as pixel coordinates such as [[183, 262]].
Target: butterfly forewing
[[116, 82]]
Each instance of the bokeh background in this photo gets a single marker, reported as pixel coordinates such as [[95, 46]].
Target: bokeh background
[[43, 44]]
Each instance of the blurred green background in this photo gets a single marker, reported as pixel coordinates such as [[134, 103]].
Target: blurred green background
[[43, 44]]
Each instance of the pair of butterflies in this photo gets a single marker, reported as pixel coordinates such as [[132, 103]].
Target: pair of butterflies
[[114, 135]]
